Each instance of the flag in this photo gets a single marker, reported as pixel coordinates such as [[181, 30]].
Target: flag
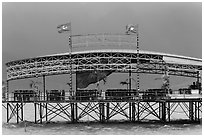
[[84, 79], [64, 27], [131, 28]]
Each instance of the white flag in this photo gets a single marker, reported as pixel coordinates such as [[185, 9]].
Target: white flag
[[64, 27]]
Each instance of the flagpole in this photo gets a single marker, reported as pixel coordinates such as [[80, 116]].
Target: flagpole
[[137, 42], [70, 61]]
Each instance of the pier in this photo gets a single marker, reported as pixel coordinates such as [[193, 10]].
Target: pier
[[103, 110], [133, 105]]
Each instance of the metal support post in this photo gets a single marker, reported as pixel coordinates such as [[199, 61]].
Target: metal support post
[[164, 111], [195, 111], [130, 106], [35, 113], [138, 111], [40, 113], [44, 90], [70, 65], [7, 90], [76, 112], [22, 111], [129, 96], [191, 111], [7, 113], [133, 111], [107, 111], [46, 111], [169, 112], [138, 76], [101, 110], [72, 113], [17, 113], [159, 110], [198, 111], [198, 81]]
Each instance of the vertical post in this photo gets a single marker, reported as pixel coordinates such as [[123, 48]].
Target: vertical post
[[35, 113], [191, 110], [46, 112], [7, 113], [76, 112], [138, 111], [21, 111], [133, 111], [195, 111], [107, 111], [40, 113], [138, 76], [72, 113], [198, 111], [130, 106], [17, 113], [164, 111], [159, 110], [169, 114], [44, 87], [103, 113], [7, 90], [100, 112], [76, 83], [198, 82], [129, 96], [70, 65]]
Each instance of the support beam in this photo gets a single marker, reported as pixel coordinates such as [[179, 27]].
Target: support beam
[[102, 112], [7, 113], [40, 113], [133, 111], [130, 111], [7, 90], [129, 96], [76, 112], [198, 77], [35, 113], [199, 110], [196, 111], [72, 113], [107, 111], [169, 112], [164, 111], [17, 117], [191, 116], [22, 111], [44, 89], [138, 111], [46, 112], [159, 110]]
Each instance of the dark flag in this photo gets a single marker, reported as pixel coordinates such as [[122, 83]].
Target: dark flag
[[84, 79], [64, 27]]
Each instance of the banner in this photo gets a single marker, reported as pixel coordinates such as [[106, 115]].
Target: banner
[[84, 79]]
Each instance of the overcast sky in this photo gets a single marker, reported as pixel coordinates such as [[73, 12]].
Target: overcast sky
[[29, 29]]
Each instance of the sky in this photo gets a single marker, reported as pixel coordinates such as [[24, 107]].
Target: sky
[[30, 29]]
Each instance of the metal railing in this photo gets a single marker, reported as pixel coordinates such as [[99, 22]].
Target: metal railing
[[94, 95]]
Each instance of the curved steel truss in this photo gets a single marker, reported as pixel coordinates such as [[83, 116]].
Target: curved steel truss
[[86, 61]]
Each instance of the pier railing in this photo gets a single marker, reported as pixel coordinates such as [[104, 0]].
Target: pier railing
[[94, 95]]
